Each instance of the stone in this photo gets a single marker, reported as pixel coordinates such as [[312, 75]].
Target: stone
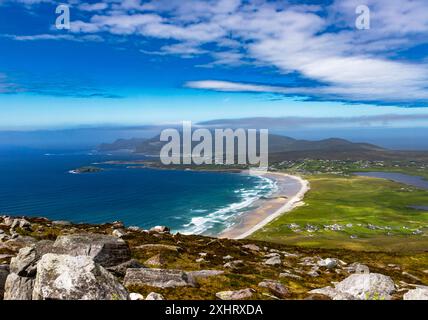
[[228, 257], [275, 287], [367, 286], [161, 278], [134, 229], [136, 296], [66, 277], [235, 295], [120, 269], [205, 273], [157, 260], [289, 275], [234, 264], [18, 288], [4, 272], [8, 221], [420, 293], [25, 263], [372, 286], [273, 261], [357, 267], [154, 296], [106, 250], [159, 229], [328, 263], [251, 247], [119, 233], [19, 242]]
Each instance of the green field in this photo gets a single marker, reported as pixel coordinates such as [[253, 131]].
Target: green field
[[370, 214]]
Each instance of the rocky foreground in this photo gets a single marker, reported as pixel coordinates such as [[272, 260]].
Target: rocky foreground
[[42, 259]]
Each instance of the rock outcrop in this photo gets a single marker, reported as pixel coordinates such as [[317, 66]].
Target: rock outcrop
[[420, 293], [371, 286], [161, 278], [65, 277]]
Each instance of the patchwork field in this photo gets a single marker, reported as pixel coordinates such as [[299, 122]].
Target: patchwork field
[[356, 213]]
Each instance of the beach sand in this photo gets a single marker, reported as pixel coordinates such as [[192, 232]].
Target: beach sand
[[291, 190]]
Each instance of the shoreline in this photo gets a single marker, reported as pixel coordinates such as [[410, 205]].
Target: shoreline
[[290, 193]]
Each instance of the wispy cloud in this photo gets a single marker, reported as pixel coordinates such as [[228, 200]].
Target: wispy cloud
[[57, 37], [318, 43], [297, 122]]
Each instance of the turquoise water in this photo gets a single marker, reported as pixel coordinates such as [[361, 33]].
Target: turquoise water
[[37, 183]]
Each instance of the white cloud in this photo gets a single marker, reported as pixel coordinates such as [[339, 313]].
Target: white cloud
[[318, 43], [99, 6], [69, 37]]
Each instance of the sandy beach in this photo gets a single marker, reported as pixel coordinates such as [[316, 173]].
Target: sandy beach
[[291, 190]]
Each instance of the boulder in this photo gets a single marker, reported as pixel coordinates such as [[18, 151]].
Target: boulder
[[235, 295], [106, 250], [289, 275], [119, 233], [154, 296], [18, 288], [120, 269], [4, 272], [159, 229], [19, 242], [236, 264], [357, 267], [420, 293], [65, 277], [273, 261], [161, 278], [25, 263], [328, 263], [8, 221], [135, 296], [205, 273], [251, 246], [275, 287], [371, 286]]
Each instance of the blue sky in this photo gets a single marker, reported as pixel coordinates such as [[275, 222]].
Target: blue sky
[[142, 62]]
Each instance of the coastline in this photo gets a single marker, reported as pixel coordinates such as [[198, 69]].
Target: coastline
[[290, 193]]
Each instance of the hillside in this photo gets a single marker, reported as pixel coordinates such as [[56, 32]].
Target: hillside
[[50, 260], [283, 148]]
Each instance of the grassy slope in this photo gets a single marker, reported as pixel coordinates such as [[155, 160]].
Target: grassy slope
[[357, 200]]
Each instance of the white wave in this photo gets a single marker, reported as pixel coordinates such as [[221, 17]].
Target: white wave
[[225, 215]]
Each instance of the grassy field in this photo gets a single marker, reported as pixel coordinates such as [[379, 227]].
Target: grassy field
[[360, 214]]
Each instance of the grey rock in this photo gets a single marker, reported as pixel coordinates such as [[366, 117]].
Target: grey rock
[[275, 287], [161, 278], [420, 293], [119, 233], [154, 296], [120, 269], [25, 263], [361, 287], [4, 272], [19, 242], [328, 263], [104, 249], [205, 273], [289, 275], [157, 260], [18, 288], [65, 277], [358, 268], [159, 229], [251, 247], [136, 296], [235, 295], [273, 261], [236, 264]]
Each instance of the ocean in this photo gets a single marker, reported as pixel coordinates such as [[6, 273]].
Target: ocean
[[38, 183]]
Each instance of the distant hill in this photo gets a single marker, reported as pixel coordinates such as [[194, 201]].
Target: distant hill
[[286, 148]]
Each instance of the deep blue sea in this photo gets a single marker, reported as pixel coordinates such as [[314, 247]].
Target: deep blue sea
[[38, 183]]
